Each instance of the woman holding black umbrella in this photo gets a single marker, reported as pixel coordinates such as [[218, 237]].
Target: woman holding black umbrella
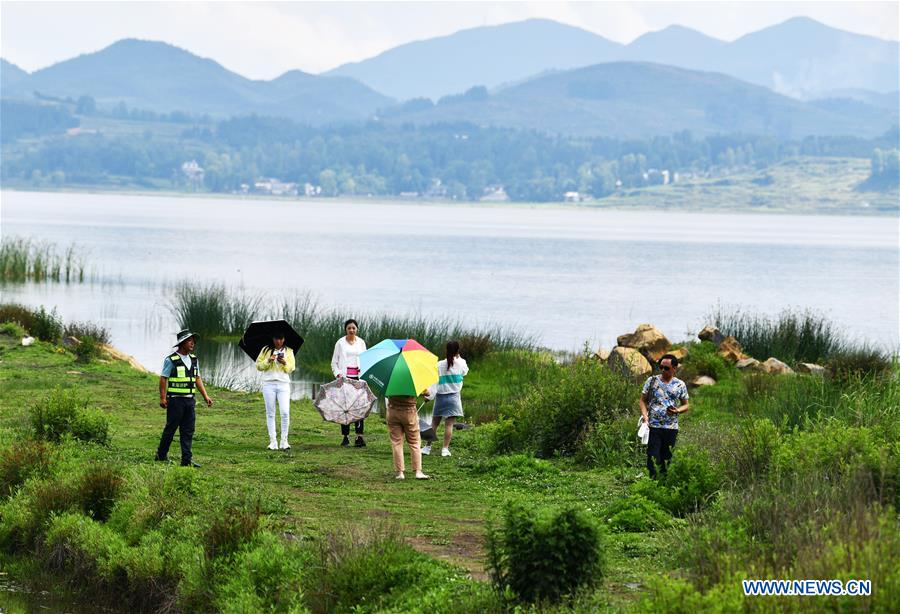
[[276, 362]]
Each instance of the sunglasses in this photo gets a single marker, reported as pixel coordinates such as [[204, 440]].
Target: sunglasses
[[664, 368]]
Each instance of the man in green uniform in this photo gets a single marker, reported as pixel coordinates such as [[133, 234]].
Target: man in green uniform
[[179, 377]]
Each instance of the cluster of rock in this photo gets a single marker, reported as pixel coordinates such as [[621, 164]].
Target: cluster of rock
[[635, 354]]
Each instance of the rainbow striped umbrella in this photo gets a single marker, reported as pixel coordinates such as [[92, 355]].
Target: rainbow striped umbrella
[[398, 367]]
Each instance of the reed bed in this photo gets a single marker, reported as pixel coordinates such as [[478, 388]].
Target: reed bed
[[24, 260], [216, 311]]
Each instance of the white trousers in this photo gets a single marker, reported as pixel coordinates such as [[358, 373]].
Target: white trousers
[[280, 393]]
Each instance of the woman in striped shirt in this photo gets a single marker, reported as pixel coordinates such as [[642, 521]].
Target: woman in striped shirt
[[447, 402]]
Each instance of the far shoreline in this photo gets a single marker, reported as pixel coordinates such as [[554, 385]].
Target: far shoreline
[[423, 202]]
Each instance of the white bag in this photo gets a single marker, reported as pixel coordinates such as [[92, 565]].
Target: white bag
[[643, 431]]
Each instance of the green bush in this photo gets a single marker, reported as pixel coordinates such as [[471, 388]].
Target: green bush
[[12, 329], [229, 530], [97, 490], [80, 330], [21, 461], [544, 555], [87, 350], [636, 514], [555, 417], [751, 449], [691, 483], [703, 359], [20, 314], [64, 412], [609, 444], [857, 362], [47, 325]]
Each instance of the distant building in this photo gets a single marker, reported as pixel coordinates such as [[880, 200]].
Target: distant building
[[311, 190], [495, 194], [573, 197], [436, 190], [193, 172], [275, 187]]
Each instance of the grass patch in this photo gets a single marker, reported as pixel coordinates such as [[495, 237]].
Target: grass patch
[[27, 260]]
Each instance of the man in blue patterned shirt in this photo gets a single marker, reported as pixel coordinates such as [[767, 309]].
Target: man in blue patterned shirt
[[663, 398]]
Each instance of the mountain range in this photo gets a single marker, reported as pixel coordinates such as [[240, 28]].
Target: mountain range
[[799, 57]]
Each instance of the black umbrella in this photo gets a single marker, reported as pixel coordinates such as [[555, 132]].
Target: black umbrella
[[259, 335]]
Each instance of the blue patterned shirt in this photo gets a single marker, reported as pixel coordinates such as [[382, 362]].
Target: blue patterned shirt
[[664, 395]]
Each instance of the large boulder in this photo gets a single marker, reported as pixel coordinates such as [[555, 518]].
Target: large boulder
[[731, 350], [679, 353], [702, 380], [628, 362], [602, 354], [712, 334], [774, 366], [747, 364], [810, 368], [648, 340]]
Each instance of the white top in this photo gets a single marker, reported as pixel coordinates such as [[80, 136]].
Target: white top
[[450, 380], [346, 355]]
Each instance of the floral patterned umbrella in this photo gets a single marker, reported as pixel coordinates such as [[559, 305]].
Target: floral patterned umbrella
[[345, 400]]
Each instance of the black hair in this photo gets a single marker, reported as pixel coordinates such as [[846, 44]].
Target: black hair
[[349, 322], [278, 334], [452, 351], [672, 358]]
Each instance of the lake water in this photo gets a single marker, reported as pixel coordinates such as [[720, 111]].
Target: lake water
[[567, 275]]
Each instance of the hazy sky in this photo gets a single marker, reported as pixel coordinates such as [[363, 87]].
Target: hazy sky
[[261, 40]]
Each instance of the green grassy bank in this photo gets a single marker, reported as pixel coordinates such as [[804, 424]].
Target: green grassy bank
[[775, 477]]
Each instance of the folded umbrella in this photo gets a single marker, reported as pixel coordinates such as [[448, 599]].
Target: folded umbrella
[[398, 367], [345, 400], [259, 334]]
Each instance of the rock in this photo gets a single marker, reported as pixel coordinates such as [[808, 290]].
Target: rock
[[810, 368], [602, 354], [747, 364], [628, 362], [648, 339], [117, 355], [731, 350], [774, 366], [70, 342], [703, 380], [711, 333], [679, 353], [26, 341]]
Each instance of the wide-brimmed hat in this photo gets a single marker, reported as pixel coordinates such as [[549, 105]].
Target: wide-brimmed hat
[[183, 336]]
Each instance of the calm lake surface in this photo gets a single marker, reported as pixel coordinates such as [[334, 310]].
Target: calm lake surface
[[566, 275]]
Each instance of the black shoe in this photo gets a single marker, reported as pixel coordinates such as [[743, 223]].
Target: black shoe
[[191, 464], [360, 442], [160, 460], [346, 441]]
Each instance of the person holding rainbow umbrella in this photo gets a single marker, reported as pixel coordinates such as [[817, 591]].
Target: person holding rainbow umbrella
[[401, 370]]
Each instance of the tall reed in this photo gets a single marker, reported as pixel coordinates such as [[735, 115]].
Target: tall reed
[[23, 260], [210, 309]]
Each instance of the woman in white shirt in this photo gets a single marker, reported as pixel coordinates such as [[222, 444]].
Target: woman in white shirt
[[345, 363], [276, 363], [447, 402]]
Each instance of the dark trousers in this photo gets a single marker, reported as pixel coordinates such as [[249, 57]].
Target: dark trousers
[[181, 416], [659, 449], [358, 426]]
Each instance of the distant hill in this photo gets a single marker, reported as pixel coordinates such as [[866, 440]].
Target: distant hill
[[10, 74], [488, 55], [161, 77], [634, 99], [799, 57]]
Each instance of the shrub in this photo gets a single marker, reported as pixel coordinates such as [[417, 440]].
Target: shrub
[[703, 359], [690, 484], [610, 444], [751, 449], [47, 325], [79, 330], [96, 491], [857, 362], [636, 514], [12, 329], [87, 350], [230, 530], [555, 417], [544, 555], [21, 461], [516, 467], [13, 312], [64, 412]]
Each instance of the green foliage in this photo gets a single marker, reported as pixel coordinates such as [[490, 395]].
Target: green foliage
[[20, 314], [230, 529], [609, 444], [555, 416], [87, 350], [97, 489], [751, 448], [636, 514], [65, 412], [691, 483], [47, 325], [859, 362], [546, 554], [80, 330], [21, 461], [212, 310], [22, 119], [12, 329], [27, 260], [792, 336], [703, 359]]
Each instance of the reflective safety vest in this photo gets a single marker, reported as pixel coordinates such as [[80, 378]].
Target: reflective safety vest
[[183, 380]]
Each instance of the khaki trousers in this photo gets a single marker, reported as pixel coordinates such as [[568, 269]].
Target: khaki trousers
[[404, 422]]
